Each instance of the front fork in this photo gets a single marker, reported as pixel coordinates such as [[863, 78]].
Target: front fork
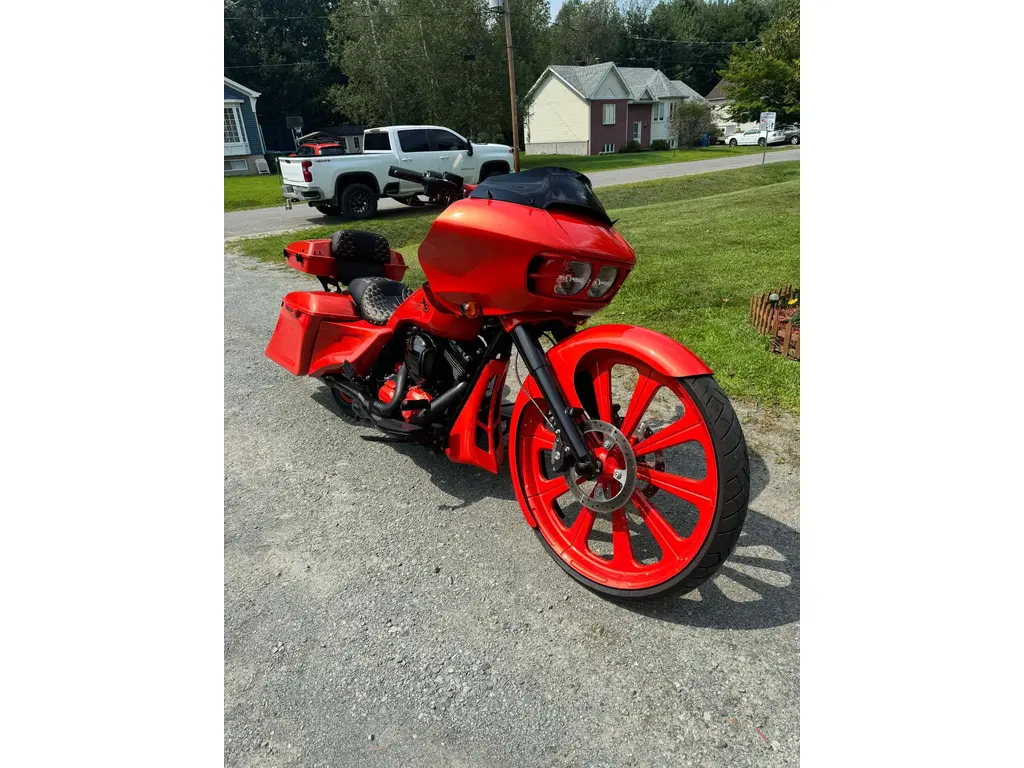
[[530, 350]]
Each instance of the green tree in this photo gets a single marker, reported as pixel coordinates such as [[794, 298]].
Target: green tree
[[689, 120], [766, 77], [442, 64], [586, 32], [265, 43]]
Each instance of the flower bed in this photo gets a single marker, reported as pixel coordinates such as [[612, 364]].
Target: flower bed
[[777, 314]]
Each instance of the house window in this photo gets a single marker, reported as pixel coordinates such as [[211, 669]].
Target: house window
[[235, 165], [234, 129], [231, 127], [609, 115], [659, 111], [607, 148]]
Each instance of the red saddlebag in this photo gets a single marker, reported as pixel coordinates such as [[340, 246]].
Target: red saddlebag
[[291, 346]]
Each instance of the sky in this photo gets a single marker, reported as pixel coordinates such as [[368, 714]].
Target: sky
[[555, 5]]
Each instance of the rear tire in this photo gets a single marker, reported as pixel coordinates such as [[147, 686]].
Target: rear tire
[[761, 142], [358, 202], [795, 140]]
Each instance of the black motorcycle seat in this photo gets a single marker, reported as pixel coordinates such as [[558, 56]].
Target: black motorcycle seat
[[377, 298]]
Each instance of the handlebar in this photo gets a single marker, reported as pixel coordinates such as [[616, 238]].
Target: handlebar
[[449, 181]]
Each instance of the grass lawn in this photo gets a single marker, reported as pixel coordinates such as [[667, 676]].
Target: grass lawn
[[704, 245], [245, 192]]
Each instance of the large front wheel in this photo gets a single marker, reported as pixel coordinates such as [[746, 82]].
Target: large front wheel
[[669, 504]]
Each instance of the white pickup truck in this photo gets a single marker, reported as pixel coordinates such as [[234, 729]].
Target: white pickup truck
[[350, 185]]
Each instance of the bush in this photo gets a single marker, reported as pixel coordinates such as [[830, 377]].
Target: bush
[[631, 146], [659, 145], [690, 119]]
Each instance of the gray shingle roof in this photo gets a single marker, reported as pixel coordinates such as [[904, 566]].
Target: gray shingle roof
[[583, 79], [720, 90], [587, 79]]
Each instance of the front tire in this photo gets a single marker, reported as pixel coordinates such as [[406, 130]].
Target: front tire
[[358, 202], [733, 143], [795, 140], [761, 142], [685, 559]]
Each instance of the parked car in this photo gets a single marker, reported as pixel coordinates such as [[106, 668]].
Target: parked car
[[351, 185], [791, 133], [754, 136]]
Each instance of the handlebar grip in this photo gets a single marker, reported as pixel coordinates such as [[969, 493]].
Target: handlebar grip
[[406, 174]]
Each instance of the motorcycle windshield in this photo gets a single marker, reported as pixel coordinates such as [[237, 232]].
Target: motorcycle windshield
[[545, 188]]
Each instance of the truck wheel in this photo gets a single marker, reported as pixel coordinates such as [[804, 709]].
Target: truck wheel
[[358, 201], [761, 142], [328, 210], [499, 171]]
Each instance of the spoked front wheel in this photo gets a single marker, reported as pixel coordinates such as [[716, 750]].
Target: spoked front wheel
[[670, 501]]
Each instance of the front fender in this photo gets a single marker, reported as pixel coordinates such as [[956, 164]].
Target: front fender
[[662, 353]]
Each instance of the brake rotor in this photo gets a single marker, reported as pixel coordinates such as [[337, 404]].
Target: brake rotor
[[617, 480]]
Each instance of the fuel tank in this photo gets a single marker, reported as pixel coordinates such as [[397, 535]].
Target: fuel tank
[[482, 250]]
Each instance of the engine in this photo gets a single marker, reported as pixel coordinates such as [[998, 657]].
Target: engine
[[434, 366]]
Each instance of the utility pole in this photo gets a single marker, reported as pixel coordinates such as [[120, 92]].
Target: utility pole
[[494, 4]]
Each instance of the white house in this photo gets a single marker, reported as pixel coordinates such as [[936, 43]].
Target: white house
[[599, 108], [719, 101]]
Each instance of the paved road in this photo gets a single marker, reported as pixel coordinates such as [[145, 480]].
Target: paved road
[[384, 607], [268, 220]]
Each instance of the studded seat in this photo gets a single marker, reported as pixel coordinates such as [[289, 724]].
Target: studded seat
[[377, 298]]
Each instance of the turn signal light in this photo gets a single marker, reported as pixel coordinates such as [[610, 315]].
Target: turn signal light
[[470, 309]]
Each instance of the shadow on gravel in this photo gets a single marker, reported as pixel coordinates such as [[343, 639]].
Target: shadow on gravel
[[758, 587]]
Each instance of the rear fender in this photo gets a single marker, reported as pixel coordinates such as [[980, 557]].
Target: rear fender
[[662, 353]]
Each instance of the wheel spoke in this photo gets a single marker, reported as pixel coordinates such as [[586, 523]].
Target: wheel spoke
[[646, 387], [581, 528], [622, 549], [549, 490], [679, 431], [543, 440], [698, 492], [669, 541], [601, 373]]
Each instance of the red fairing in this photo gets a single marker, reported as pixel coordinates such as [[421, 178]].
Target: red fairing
[[476, 435], [422, 310], [481, 250]]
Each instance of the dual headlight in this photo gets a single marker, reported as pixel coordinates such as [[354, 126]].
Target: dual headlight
[[573, 276]]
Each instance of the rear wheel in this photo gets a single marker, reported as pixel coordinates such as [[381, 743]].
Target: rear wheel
[[358, 201], [668, 506], [794, 140]]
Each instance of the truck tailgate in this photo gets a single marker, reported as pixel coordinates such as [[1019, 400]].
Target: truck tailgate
[[291, 169]]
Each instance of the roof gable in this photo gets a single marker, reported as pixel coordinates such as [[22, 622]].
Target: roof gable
[[720, 90], [641, 83], [241, 88]]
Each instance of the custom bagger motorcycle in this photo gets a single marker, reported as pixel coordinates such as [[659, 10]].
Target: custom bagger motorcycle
[[510, 262]]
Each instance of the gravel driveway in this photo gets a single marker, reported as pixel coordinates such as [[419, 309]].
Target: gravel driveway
[[384, 607]]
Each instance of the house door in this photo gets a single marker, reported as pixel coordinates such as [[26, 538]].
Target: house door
[[637, 129]]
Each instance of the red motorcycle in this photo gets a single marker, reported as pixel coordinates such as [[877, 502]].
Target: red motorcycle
[[508, 261]]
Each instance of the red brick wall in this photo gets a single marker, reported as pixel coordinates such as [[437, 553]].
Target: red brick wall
[[642, 113], [616, 134]]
